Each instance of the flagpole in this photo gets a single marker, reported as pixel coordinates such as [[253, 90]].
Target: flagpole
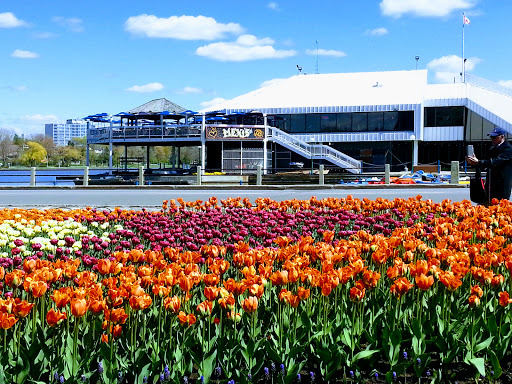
[[463, 61]]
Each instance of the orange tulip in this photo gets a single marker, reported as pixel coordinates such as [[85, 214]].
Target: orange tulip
[[104, 266], [205, 308], [303, 293], [37, 288], [504, 299], [172, 304], [186, 319], [474, 301], [79, 307], [250, 304], [21, 308], [61, 297], [104, 338], [211, 293], [54, 318], [116, 315], [7, 320], [140, 302], [2, 273], [476, 290], [357, 294], [15, 278], [423, 281], [400, 287]]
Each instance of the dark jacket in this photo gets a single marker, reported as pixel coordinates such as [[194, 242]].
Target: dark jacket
[[499, 171]]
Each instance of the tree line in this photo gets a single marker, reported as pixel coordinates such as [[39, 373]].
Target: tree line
[[39, 150]]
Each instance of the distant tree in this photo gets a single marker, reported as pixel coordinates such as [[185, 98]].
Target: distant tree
[[161, 154], [48, 144], [34, 155], [68, 155], [7, 147], [18, 140]]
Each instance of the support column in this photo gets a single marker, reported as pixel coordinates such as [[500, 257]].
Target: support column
[[110, 149], [33, 176], [265, 142], [86, 176], [87, 145], [258, 175], [321, 179], [141, 175], [147, 157], [454, 179], [203, 143], [387, 178]]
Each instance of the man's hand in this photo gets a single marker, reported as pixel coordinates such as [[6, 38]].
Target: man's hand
[[472, 160]]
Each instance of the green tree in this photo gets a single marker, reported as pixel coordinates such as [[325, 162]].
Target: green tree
[[35, 154], [69, 155]]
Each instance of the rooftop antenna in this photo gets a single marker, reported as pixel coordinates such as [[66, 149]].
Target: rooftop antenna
[[417, 58], [317, 57], [299, 68]]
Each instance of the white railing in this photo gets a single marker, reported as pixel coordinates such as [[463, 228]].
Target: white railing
[[315, 151], [487, 84]]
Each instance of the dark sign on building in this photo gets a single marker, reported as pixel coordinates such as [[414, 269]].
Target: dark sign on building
[[215, 132]]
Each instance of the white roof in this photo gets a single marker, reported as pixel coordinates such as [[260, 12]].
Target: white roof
[[333, 90]]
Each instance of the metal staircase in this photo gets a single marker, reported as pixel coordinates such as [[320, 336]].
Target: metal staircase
[[314, 151]]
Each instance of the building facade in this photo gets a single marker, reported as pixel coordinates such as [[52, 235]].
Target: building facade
[[63, 133], [353, 122]]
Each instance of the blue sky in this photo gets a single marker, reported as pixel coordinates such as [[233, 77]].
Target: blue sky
[[68, 59]]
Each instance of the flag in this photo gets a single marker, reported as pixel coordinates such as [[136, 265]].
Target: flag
[[466, 20]]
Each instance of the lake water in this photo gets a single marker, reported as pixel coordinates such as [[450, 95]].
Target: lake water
[[56, 177]]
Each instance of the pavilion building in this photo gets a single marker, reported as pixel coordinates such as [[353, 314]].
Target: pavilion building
[[353, 122]]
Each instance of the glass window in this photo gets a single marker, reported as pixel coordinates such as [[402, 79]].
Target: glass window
[[360, 122], [406, 120], [344, 122], [449, 116], [328, 122], [375, 121], [298, 123], [313, 122], [282, 122], [391, 122], [430, 117]]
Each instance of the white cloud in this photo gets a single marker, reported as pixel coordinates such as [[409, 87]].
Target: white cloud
[[189, 90], [180, 27], [45, 35], [447, 68], [325, 52], [273, 5], [73, 24], [425, 8], [38, 118], [245, 48], [505, 83], [267, 83], [18, 88], [150, 87], [212, 102], [21, 54], [377, 32], [8, 20]]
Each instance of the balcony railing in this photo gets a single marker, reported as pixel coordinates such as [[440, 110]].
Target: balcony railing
[[144, 132]]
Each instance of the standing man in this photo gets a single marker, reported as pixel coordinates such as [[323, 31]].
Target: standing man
[[498, 182]]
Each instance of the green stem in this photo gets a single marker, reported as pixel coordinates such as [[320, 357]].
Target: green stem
[[75, 346]]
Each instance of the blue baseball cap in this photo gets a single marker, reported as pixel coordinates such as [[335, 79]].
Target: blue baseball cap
[[497, 132]]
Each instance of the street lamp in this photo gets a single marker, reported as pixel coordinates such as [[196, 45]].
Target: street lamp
[[417, 58]]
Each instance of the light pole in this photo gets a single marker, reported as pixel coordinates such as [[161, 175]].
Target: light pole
[[416, 58]]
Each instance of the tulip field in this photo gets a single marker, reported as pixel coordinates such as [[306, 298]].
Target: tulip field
[[334, 290]]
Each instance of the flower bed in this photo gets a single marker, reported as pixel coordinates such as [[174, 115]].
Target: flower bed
[[296, 291]]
